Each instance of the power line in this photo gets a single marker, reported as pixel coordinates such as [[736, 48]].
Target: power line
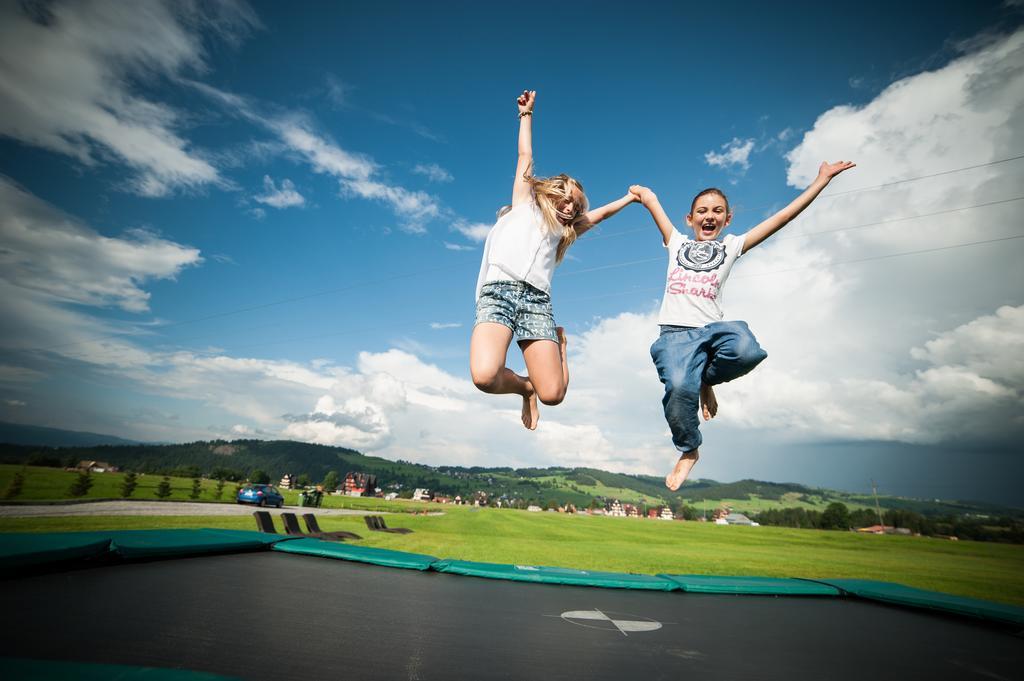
[[903, 219], [806, 234], [842, 193], [885, 256], [284, 301], [923, 177], [832, 195], [623, 293], [382, 280]]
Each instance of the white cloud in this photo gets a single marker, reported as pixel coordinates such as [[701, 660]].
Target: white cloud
[[322, 154], [284, 197], [458, 247], [16, 374], [474, 231], [415, 207], [445, 325], [67, 74], [357, 174], [16, 403], [433, 172], [53, 257], [337, 91], [735, 154]]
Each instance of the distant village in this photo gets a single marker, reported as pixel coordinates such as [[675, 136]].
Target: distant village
[[365, 485], [355, 484]]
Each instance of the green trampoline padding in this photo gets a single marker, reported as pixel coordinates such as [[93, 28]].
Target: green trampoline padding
[[898, 594], [555, 575], [18, 550], [361, 554], [164, 543], [763, 586], [17, 669]]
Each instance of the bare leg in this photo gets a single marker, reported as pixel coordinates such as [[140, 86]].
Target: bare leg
[[547, 368], [708, 402], [487, 350], [677, 477], [563, 344]]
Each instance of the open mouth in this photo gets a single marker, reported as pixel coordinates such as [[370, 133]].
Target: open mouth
[[707, 228]]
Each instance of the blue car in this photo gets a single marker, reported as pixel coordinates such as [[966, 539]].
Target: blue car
[[261, 495]]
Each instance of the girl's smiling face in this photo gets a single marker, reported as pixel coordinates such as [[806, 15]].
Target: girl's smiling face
[[570, 207], [709, 216]]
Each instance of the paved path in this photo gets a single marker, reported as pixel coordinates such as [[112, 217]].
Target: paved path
[[154, 508]]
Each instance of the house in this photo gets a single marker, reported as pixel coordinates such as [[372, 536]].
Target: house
[[666, 514], [96, 467], [421, 494], [615, 509], [883, 529], [357, 484], [287, 482], [738, 519], [533, 508]]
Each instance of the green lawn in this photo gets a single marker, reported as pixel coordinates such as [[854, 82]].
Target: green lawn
[[51, 484], [981, 570]]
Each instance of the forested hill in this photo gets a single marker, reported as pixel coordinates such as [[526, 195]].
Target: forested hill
[[20, 434], [241, 459]]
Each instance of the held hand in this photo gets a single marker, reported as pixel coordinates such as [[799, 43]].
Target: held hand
[[829, 170], [640, 192], [526, 100]]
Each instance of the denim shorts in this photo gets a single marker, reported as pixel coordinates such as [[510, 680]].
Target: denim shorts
[[521, 307]]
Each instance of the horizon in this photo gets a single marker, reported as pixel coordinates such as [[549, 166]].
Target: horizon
[[233, 220], [440, 467]]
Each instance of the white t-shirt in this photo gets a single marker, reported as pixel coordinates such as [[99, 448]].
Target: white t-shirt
[[520, 247], [697, 271]]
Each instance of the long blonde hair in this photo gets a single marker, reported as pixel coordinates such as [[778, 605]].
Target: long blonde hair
[[548, 192]]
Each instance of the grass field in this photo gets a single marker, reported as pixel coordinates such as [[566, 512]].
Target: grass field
[[51, 484], [982, 570]]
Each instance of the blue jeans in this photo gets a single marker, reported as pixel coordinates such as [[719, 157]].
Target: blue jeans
[[686, 357]]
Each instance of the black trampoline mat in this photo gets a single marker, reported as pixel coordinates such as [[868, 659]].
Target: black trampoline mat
[[268, 615]]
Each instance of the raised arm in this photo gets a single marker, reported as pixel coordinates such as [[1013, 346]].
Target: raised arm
[[650, 201], [776, 222], [604, 212], [524, 166]]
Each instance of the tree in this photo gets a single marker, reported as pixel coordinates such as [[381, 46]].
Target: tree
[[303, 480], [14, 488], [331, 481], [222, 473], [41, 459], [219, 489], [80, 487], [835, 517], [163, 490], [196, 489], [129, 484], [259, 476]]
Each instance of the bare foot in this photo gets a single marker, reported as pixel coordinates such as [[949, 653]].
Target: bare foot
[[708, 403], [677, 477], [530, 412], [563, 343]]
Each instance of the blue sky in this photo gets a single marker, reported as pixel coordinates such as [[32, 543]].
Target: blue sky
[[234, 220]]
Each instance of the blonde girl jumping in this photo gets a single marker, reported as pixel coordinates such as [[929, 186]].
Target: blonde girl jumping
[[513, 293]]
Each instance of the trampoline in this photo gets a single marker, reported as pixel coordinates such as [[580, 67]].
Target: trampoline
[[185, 604]]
